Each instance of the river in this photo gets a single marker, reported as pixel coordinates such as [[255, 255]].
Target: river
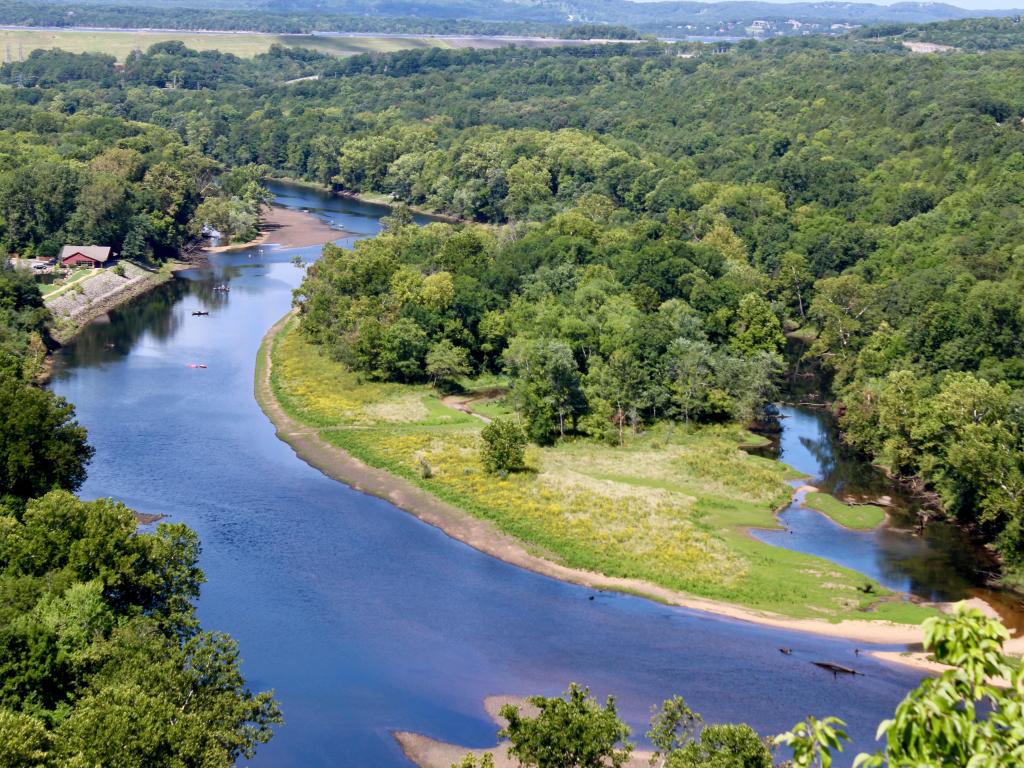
[[364, 619]]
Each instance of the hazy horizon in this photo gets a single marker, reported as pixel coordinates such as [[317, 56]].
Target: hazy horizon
[[967, 5]]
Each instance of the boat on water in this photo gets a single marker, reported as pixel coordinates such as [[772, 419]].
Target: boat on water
[[223, 288], [198, 313]]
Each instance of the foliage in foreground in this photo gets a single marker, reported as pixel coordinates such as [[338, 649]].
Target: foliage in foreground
[[102, 661], [41, 445], [576, 731], [971, 715]]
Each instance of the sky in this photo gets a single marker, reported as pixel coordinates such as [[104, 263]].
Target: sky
[[971, 5]]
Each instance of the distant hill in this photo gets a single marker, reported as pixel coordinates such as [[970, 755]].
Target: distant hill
[[666, 19], [651, 16]]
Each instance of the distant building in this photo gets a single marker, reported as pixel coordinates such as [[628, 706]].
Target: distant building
[[84, 255]]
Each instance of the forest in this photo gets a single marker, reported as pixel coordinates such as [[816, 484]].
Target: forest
[[636, 234], [984, 34], [642, 228], [670, 19]]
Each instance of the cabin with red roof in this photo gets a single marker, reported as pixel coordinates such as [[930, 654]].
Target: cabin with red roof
[[84, 255]]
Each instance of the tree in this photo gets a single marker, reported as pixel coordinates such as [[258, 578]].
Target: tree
[[529, 188], [673, 731], [41, 445], [749, 383], [813, 741], [842, 307], [691, 366], [504, 446], [570, 731], [402, 347], [101, 659], [620, 380], [756, 328], [399, 218], [546, 385], [794, 278], [469, 761], [446, 363], [672, 726], [24, 741], [723, 746]]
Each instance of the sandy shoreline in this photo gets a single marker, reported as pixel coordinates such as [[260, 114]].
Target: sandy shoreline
[[287, 228], [484, 536]]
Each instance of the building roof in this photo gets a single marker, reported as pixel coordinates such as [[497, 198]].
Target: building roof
[[96, 252]]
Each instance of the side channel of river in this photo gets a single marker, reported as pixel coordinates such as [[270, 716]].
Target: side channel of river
[[362, 618], [938, 562]]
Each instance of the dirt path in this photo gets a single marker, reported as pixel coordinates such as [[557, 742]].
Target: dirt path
[[482, 535], [462, 403]]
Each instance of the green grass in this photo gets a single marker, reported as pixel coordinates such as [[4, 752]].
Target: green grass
[[859, 516], [672, 506], [56, 288]]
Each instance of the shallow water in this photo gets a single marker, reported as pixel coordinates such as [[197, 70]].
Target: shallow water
[[939, 563], [364, 619]]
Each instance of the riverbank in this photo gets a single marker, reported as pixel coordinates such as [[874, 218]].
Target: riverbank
[[337, 435], [79, 304], [94, 294], [370, 198], [287, 228]]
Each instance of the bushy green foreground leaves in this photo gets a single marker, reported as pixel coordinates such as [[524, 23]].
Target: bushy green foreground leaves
[[971, 715], [576, 731], [102, 661]]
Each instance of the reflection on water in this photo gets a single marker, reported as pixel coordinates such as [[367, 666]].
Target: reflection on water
[[362, 618], [939, 564]]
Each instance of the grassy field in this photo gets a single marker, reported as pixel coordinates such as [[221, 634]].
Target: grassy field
[[120, 44], [244, 44], [671, 507], [58, 287], [859, 516]]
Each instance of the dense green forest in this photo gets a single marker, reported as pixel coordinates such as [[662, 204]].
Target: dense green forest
[[67, 176], [654, 223]]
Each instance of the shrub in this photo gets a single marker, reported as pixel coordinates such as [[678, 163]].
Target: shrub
[[504, 446]]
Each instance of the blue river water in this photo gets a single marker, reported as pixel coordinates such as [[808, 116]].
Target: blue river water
[[939, 562], [363, 619]]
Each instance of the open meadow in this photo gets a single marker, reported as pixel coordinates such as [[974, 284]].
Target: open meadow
[[671, 507], [18, 43]]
